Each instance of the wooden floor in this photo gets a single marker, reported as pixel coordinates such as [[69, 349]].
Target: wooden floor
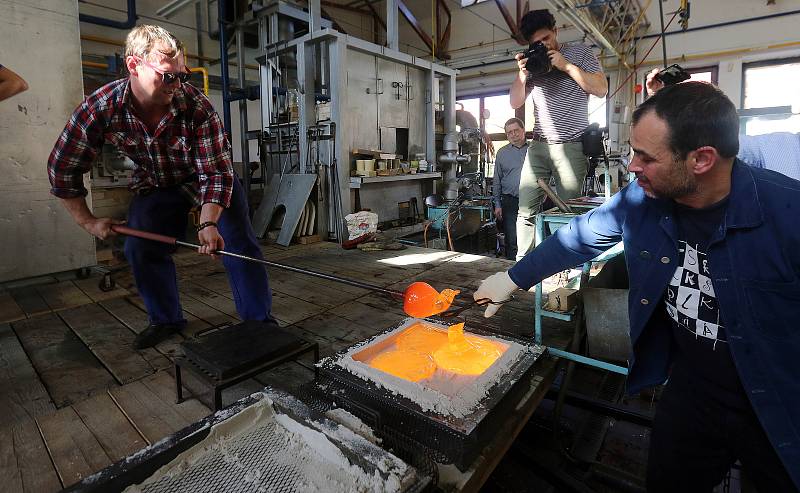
[[75, 397]]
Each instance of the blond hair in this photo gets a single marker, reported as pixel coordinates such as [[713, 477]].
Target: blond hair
[[142, 40]]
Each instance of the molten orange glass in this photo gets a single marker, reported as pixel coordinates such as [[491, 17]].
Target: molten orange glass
[[466, 355], [422, 338], [420, 300], [423, 348], [408, 365]]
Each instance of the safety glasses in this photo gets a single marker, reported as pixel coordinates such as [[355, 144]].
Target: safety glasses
[[168, 77]]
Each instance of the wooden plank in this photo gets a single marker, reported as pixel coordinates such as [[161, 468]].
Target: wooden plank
[[33, 464], [210, 315], [309, 289], [109, 340], [292, 310], [75, 451], [91, 288], [193, 324], [133, 316], [153, 417], [22, 394], [198, 292], [367, 316], [326, 328], [10, 311], [109, 426], [62, 295], [162, 384], [69, 371], [9, 471], [31, 302]]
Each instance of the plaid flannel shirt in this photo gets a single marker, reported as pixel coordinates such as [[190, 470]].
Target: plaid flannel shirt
[[188, 149]]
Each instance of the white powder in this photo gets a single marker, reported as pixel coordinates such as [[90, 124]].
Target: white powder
[[353, 423], [308, 458], [445, 393]]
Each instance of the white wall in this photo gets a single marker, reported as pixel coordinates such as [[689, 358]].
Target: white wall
[[40, 42]]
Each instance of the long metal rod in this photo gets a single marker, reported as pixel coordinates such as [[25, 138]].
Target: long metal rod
[[663, 30], [587, 361], [174, 241], [223, 67]]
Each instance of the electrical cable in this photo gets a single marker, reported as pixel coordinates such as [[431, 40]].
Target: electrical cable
[[635, 67]]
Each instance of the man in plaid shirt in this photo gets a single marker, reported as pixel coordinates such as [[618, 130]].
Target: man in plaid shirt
[[171, 132]]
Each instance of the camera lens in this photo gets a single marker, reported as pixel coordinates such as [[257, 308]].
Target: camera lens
[[538, 61]]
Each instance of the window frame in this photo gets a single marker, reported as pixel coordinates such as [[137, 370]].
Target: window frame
[[759, 64], [714, 69]]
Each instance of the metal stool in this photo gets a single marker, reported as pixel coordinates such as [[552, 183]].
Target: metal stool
[[225, 357]]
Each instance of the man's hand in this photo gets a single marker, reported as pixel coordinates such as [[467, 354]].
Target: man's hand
[[210, 241], [558, 60], [653, 85], [100, 227], [497, 287], [498, 213], [521, 64]]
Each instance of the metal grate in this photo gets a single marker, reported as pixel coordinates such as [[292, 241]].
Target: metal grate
[[254, 462]]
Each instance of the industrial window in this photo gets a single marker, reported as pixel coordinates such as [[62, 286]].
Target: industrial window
[[770, 99], [705, 74]]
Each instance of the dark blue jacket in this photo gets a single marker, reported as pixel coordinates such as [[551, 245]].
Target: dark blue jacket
[[754, 261]]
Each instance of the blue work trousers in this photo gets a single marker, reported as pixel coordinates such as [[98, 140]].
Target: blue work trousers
[[165, 211]]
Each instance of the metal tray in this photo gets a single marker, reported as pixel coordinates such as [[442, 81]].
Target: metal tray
[[249, 465]]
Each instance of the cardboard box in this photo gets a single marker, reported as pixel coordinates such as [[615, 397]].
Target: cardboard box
[[562, 300]]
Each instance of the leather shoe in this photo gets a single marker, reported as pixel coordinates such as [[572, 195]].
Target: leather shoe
[[155, 333]]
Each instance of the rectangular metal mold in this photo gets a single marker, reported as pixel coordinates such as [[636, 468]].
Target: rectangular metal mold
[[454, 439]]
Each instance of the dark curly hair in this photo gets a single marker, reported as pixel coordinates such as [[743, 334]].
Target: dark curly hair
[[535, 20]]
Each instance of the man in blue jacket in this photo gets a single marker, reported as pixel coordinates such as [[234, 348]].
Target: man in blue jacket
[[713, 255]]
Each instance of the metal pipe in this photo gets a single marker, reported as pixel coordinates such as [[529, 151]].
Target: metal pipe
[[169, 240], [204, 71], [663, 39], [103, 66], [243, 123], [113, 42], [606, 408], [223, 58], [102, 21], [676, 59], [587, 361], [201, 70], [724, 24]]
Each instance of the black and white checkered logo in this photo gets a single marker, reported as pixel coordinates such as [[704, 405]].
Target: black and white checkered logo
[[690, 298]]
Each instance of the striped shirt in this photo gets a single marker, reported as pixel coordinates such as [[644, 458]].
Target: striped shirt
[[779, 151], [188, 148], [560, 106]]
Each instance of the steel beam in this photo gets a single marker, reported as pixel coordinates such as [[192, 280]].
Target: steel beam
[[414, 24], [392, 29], [515, 32], [314, 16]]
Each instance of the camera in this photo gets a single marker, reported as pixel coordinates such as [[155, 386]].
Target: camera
[[538, 62], [672, 75]]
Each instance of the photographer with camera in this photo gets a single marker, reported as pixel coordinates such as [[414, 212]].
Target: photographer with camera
[[560, 78]]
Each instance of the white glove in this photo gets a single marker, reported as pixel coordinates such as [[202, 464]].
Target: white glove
[[497, 287]]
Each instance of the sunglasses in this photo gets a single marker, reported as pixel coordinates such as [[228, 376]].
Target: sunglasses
[[169, 77]]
